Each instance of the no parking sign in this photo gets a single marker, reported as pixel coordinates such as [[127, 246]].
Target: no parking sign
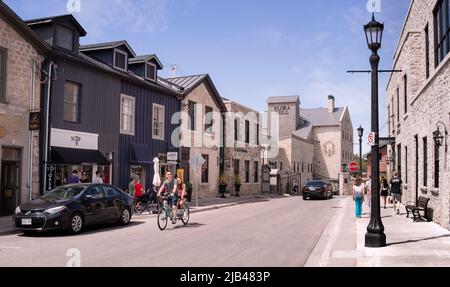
[[371, 139]]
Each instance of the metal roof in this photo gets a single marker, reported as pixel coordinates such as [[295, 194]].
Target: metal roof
[[321, 117], [53, 18], [285, 99], [189, 83], [107, 45], [145, 58], [304, 131]]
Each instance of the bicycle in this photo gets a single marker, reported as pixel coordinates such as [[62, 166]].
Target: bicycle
[[145, 203], [166, 212]]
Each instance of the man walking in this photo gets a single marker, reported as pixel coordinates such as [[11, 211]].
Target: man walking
[[396, 192], [369, 191]]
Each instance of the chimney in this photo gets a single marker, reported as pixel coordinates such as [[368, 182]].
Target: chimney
[[331, 104]]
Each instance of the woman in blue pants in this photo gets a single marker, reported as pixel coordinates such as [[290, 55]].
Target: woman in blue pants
[[358, 196]]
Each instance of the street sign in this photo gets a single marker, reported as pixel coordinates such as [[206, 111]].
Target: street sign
[[172, 156], [196, 161], [353, 166], [371, 139]]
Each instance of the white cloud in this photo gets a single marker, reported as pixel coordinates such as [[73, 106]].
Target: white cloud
[[102, 16]]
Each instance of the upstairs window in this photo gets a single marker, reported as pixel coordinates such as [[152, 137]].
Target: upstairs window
[[236, 129], [441, 31], [192, 109], [247, 132], [64, 38], [71, 101], [127, 110], [405, 90], [150, 72], [427, 51], [120, 60], [3, 65], [208, 120], [158, 122]]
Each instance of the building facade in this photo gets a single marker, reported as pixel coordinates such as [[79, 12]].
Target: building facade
[[108, 111], [243, 160], [313, 142], [201, 131], [21, 55], [419, 106]]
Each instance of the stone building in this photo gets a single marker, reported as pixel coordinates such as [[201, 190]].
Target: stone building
[[21, 55], [201, 130], [419, 106], [314, 142], [242, 148]]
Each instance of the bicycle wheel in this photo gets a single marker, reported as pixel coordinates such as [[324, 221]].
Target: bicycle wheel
[[162, 219], [185, 218], [138, 210]]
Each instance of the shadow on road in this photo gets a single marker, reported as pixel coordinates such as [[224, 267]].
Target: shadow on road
[[89, 230], [189, 225], [418, 240]]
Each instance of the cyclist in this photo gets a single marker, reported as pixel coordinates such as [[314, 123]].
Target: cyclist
[[169, 188], [181, 191]]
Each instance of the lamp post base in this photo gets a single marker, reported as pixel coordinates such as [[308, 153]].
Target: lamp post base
[[375, 240]]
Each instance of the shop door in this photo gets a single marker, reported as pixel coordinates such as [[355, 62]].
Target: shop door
[[10, 188]]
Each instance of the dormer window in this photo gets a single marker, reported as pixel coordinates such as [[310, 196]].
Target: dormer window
[[64, 38], [120, 60], [150, 71]]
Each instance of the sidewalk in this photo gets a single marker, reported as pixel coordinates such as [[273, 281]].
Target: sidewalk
[[204, 204], [409, 244]]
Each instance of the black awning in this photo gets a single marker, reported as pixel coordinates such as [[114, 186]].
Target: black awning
[[61, 155], [140, 154]]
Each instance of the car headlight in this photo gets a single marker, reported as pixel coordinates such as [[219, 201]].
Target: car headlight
[[18, 211], [55, 209]]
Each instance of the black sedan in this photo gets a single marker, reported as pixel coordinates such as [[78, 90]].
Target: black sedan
[[73, 207], [317, 189]]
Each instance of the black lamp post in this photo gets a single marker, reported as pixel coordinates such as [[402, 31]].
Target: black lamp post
[[360, 134], [375, 236]]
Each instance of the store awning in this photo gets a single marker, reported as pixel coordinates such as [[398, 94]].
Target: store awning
[[61, 155], [141, 155]]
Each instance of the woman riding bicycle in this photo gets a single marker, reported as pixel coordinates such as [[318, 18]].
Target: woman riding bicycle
[[181, 190]]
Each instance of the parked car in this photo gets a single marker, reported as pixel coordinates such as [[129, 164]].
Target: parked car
[[317, 189], [73, 207]]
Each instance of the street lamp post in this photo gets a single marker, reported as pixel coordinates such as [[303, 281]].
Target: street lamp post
[[375, 236], [360, 134]]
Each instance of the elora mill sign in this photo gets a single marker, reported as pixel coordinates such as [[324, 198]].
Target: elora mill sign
[[282, 110]]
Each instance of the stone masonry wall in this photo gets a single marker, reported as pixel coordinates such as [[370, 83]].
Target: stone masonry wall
[[427, 103], [14, 114]]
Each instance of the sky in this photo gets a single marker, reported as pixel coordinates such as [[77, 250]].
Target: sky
[[252, 49]]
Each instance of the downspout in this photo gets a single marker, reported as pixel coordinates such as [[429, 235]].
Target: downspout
[[47, 124], [31, 132]]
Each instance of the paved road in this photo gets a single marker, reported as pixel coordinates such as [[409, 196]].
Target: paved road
[[272, 233]]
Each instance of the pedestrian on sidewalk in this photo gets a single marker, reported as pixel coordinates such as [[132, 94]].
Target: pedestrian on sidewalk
[[384, 190], [369, 191], [396, 192], [358, 196]]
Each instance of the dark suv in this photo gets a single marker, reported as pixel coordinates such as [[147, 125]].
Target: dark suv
[[317, 189]]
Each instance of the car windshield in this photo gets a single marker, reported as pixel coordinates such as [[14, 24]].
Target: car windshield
[[315, 183], [67, 192]]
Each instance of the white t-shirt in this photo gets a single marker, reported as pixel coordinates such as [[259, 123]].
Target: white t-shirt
[[97, 179]]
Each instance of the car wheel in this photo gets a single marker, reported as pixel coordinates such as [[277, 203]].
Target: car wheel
[[125, 216], [76, 223]]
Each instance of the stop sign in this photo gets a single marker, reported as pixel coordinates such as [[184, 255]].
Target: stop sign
[[353, 166]]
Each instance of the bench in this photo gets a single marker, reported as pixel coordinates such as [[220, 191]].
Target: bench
[[415, 210]]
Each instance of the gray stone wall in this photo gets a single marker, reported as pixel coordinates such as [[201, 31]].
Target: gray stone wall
[[14, 115], [427, 103]]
